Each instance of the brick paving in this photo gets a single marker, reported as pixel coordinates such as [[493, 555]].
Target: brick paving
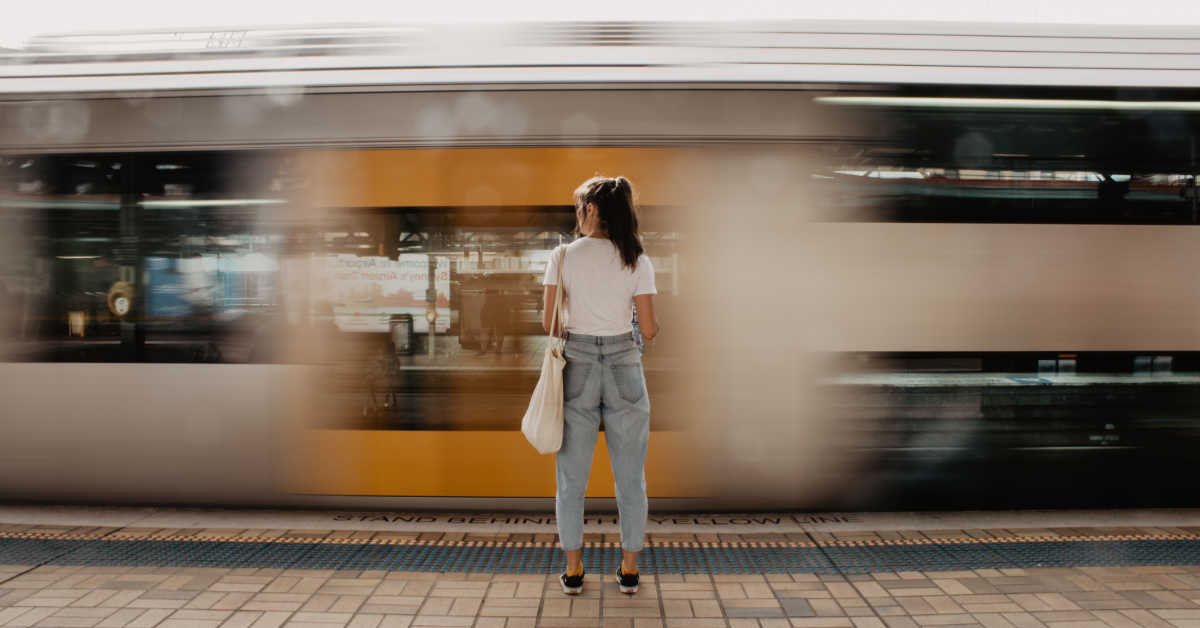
[[172, 597], [144, 597]]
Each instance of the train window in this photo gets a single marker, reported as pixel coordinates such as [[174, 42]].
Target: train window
[[437, 311], [1048, 157], [145, 257], [210, 255], [426, 309], [61, 215]]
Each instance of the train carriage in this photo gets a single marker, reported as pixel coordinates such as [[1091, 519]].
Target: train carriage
[[899, 265]]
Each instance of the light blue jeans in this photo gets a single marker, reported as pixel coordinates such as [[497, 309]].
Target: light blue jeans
[[603, 383]]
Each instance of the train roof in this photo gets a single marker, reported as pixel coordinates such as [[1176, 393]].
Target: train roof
[[347, 57]]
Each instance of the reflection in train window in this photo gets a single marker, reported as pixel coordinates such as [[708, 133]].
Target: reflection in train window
[[1033, 160], [143, 257], [438, 310], [62, 219], [426, 315]]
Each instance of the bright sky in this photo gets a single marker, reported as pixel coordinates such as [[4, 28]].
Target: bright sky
[[21, 19]]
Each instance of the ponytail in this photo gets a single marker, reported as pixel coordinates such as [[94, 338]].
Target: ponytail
[[613, 198]]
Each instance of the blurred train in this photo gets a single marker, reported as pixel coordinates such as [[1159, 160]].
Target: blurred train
[[900, 265]]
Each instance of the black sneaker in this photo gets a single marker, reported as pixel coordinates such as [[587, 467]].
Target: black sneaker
[[627, 582], [572, 585]]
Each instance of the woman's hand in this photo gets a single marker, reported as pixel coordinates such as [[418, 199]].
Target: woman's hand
[[645, 312]]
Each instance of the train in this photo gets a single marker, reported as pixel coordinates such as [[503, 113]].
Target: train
[[900, 265]]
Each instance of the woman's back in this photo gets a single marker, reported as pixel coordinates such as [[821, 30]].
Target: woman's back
[[599, 288], [603, 275]]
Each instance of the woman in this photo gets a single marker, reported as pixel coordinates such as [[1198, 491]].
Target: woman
[[605, 274]]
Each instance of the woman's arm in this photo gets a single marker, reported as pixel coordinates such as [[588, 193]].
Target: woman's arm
[[548, 293], [645, 311]]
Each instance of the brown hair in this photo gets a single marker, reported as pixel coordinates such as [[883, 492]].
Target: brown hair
[[613, 198]]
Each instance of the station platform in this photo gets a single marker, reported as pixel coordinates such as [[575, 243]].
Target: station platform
[[192, 568]]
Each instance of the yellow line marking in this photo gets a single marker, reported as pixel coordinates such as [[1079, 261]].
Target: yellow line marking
[[117, 537]]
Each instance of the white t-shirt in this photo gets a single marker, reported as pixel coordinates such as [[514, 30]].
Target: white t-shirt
[[599, 289]]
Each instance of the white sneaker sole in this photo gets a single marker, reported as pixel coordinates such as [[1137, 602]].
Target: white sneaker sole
[[570, 590], [624, 589]]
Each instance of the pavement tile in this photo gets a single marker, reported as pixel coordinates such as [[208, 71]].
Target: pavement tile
[[695, 623], [489, 609], [1176, 614], [687, 594], [706, 608], [962, 619], [320, 602], [321, 617], [437, 621], [794, 607], [188, 623], [992, 620], [241, 619], [150, 618], [943, 604], [91, 613], [120, 617], [171, 597], [1142, 618], [648, 610], [1063, 616], [899, 622], [31, 616], [95, 598], [1023, 620], [916, 606], [822, 622], [585, 608], [826, 608], [9, 614], [676, 608], [870, 589], [951, 586], [219, 616]]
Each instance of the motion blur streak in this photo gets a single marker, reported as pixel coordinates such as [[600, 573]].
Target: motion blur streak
[[766, 433], [216, 441], [1027, 288]]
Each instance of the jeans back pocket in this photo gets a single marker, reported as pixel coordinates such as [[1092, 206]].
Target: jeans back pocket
[[631, 384], [575, 375]]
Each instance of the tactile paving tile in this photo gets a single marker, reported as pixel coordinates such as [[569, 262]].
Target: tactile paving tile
[[172, 553], [597, 559], [673, 559], [270, 555], [783, 558], [922, 557], [510, 557], [1100, 553], [797, 560], [32, 551], [536, 559]]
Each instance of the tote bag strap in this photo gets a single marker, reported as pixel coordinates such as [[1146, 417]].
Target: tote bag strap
[[558, 295]]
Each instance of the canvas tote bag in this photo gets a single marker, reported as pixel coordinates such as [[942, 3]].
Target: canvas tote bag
[[543, 421]]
